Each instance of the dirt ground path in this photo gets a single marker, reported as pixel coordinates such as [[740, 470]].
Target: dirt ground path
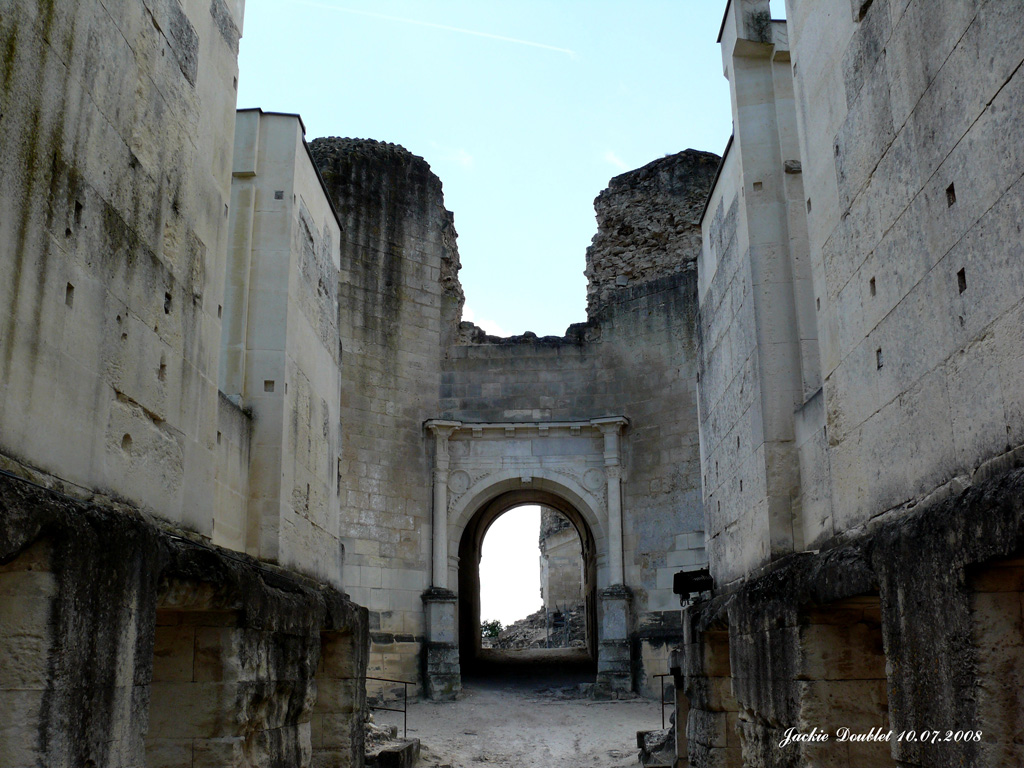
[[528, 724]]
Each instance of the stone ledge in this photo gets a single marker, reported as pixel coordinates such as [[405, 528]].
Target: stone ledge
[[403, 754]]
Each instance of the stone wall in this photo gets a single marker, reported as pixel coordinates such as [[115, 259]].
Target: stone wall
[[916, 203], [127, 636], [117, 121], [833, 349], [126, 644], [394, 303], [828, 639], [281, 348], [635, 357], [758, 341], [860, 406], [648, 224], [561, 562], [399, 304]]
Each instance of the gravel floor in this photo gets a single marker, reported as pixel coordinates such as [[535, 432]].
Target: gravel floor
[[539, 721]]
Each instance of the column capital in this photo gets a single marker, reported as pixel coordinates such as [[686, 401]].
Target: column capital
[[611, 424], [611, 427], [442, 428]]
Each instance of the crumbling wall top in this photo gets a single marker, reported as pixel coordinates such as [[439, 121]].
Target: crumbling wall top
[[369, 168], [648, 224]]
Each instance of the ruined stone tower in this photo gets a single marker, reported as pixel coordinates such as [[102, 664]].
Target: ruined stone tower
[[249, 451], [513, 420]]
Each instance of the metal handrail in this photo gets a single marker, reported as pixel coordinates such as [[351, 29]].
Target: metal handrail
[[405, 698], [661, 696]]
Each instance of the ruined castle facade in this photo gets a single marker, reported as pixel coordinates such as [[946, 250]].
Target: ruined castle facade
[[250, 451], [445, 428], [860, 387]]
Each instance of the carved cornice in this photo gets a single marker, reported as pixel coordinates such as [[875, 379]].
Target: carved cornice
[[514, 429]]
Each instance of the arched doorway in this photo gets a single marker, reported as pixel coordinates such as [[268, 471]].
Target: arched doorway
[[472, 657], [483, 470]]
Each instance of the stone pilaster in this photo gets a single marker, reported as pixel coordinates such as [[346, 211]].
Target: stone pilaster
[[442, 679], [611, 428], [442, 431]]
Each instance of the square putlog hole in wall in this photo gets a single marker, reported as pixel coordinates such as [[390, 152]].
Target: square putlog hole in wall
[[268, 385]]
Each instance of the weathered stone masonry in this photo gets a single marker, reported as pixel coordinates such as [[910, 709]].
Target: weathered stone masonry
[[397, 300], [125, 642], [400, 305], [859, 339], [633, 358], [136, 627], [927, 599], [243, 383]]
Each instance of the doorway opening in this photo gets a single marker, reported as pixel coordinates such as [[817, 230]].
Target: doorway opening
[[547, 647]]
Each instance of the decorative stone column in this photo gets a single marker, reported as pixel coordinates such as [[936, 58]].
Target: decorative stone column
[[614, 662], [611, 428], [442, 680]]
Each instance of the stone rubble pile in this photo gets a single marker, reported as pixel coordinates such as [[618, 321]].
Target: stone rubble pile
[[560, 629]]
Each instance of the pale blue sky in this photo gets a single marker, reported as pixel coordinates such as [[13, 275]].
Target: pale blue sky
[[524, 109]]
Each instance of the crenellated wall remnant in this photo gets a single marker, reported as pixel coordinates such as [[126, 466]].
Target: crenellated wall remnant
[[400, 304], [648, 224], [634, 359]]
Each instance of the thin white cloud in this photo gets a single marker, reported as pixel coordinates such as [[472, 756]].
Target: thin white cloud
[[452, 155], [417, 22], [462, 157], [613, 159], [489, 326]]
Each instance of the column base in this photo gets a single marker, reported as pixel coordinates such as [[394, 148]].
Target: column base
[[442, 675], [614, 653], [614, 670]]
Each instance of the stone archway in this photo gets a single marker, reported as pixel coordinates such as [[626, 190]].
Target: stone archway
[[483, 470], [469, 550]]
